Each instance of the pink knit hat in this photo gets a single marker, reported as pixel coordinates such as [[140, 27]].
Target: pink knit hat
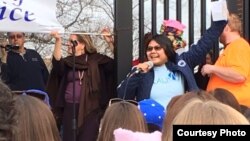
[[174, 23], [128, 135], [174, 29]]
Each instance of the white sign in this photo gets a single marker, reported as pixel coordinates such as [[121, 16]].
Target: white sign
[[219, 10], [29, 16]]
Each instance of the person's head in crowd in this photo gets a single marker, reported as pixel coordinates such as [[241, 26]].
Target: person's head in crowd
[[174, 29], [226, 97], [233, 28], [247, 114], [121, 115], [17, 39], [173, 101], [209, 112], [177, 103], [39, 94], [243, 108], [36, 121], [154, 114], [8, 113], [82, 42]]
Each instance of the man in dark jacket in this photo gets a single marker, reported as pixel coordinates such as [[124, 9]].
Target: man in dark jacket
[[22, 68]]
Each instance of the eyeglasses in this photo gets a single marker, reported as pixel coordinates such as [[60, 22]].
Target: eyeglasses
[[18, 36], [156, 48], [115, 100]]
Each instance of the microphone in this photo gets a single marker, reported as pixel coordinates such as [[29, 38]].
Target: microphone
[[150, 65], [135, 71], [74, 43], [10, 47]]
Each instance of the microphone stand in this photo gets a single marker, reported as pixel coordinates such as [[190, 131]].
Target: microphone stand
[[74, 121]]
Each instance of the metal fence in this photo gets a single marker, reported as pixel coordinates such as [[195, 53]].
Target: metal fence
[[123, 26]]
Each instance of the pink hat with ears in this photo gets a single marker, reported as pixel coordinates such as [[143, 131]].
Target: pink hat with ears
[[174, 23], [128, 135]]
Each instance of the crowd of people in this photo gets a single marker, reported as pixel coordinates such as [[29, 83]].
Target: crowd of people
[[77, 100]]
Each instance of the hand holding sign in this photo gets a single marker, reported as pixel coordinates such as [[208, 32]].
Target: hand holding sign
[[219, 10]]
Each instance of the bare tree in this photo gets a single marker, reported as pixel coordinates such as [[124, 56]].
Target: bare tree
[[76, 15], [89, 16]]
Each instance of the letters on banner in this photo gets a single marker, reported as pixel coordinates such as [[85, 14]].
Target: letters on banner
[[29, 16]]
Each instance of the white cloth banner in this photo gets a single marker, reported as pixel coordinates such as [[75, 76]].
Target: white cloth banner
[[37, 16]]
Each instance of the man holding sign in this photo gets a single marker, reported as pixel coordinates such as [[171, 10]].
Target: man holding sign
[[231, 70]]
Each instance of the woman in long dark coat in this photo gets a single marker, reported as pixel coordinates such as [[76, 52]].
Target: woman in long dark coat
[[94, 86]]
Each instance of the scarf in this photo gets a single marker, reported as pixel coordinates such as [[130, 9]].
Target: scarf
[[90, 66], [90, 91]]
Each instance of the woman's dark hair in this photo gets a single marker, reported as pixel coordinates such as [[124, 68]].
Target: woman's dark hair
[[147, 38], [167, 45], [226, 97]]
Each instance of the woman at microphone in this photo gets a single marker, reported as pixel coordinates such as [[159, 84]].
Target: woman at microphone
[[80, 82], [172, 73]]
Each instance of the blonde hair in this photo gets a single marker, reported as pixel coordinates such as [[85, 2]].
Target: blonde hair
[[208, 112], [235, 23], [36, 121], [86, 39], [177, 103], [121, 115]]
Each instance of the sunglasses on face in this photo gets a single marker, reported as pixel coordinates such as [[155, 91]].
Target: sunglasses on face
[[156, 48], [18, 36], [115, 100], [73, 42]]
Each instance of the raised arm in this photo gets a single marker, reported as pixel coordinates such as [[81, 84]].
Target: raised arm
[[197, 52], [58, 45]]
